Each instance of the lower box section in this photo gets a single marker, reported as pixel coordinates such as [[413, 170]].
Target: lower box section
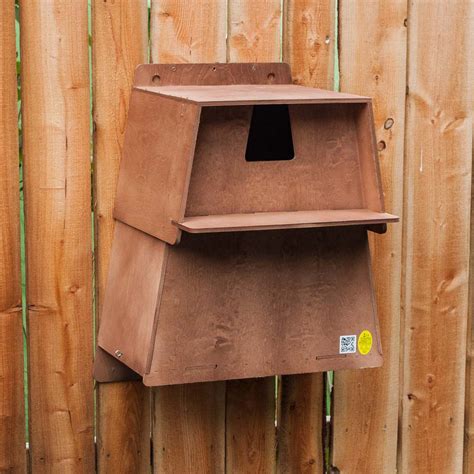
[[239, 305]]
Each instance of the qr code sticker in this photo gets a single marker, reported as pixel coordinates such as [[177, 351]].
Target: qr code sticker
[[347, 344]]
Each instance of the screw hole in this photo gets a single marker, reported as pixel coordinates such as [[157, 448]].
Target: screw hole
[[156, 79], [271, 76], [381, 145]]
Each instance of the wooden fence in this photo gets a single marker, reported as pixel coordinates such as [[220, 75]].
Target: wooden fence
[[414, 415]]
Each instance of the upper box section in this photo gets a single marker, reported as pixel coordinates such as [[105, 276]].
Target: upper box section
[[253, 94], [238, 147]]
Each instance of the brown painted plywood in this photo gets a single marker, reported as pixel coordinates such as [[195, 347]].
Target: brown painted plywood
[[254, 304], [326, 172], [251, 94], [282, 220], [211, 74], [156, 164], [12, 415], [366, 403], [56, 141], [136, 271]]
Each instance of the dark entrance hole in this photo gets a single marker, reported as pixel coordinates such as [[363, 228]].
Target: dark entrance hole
[[270, 134]]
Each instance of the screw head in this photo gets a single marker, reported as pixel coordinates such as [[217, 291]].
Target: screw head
[[118, 354]]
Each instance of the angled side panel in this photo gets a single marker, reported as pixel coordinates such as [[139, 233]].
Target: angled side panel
[[156, 164], [137, 266]]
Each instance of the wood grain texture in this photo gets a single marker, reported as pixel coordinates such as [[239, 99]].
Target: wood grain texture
[[253, 34], [188, 32], [211, 74], [156, 165], [136, 273], [338, 176], [309, 41], [253, 94], [255, 304], [306, 24], [436, 236], [468, 462], [189, 428], [12, 415], [366, 402], [250, 426], [55, 92], [253, 30], [120, 42], [282, 220], [299, 434]]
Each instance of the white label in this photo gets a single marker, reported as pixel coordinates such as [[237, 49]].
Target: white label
[[347, 344]]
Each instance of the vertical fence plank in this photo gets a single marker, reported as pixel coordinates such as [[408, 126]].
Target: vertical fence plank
[[372, 42], [436, 236], [300, 429], [309, 40], [308, 46], [188, 429], [189, 432], [188, 32], [250, 425], [12, 415], [55, 92], [120, 40], [254, 30], [468, 464]]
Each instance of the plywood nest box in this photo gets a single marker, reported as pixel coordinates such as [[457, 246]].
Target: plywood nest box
[[240, 247]]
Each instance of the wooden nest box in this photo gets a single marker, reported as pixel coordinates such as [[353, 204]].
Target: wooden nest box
[[240, 247]]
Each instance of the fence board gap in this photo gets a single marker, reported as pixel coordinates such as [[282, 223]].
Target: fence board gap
[[366, 402]]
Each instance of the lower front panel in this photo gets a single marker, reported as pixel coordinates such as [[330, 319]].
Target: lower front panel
[[254, 304]]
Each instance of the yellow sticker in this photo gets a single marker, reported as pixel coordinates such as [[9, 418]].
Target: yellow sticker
[[365, 342]]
